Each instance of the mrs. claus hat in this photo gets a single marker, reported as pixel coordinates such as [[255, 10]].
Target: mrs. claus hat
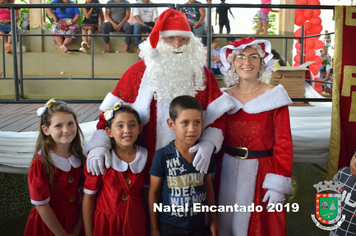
[[170, 23], [242, 44]]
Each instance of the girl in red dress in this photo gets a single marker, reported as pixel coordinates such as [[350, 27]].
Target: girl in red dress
[[55, 173], [113, 202]]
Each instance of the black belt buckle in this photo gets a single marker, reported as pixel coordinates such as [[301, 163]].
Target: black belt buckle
[[242, 149]]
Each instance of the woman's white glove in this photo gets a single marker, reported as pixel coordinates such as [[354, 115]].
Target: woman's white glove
[[273, 198], [204, 150], [96, 158]]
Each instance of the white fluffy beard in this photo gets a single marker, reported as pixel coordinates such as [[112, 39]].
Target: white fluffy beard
[[175, 71]]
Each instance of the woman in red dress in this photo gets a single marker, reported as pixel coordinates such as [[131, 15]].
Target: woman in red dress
[[55, 173], [258, 151], [113, 203]]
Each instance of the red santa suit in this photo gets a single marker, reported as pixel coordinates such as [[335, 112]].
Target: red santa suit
[[63, 198], [119, 206], [133, 89], [260, 124]]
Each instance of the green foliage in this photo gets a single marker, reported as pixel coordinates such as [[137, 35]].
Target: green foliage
[[23, 11], [272, 26]]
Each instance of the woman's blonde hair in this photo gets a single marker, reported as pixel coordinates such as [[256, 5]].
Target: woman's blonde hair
[[45, 144], [232, 78]]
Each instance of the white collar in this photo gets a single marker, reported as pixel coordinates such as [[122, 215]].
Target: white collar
[[136, 166], [275, 98], [65, 164]]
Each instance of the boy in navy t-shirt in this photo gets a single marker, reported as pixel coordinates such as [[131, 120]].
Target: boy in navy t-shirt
[[178, 191]]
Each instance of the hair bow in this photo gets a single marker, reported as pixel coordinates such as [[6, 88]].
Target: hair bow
[[109, 113], [42, 110]]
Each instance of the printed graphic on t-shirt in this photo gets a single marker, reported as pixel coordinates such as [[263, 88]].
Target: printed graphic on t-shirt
[[185, 189]]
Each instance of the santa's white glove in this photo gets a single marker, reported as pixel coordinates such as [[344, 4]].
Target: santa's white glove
[[96, 158], [204, 150], [273, 198]]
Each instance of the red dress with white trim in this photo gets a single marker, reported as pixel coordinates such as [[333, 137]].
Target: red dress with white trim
[[119, 207], [258, 125], [63, 197]]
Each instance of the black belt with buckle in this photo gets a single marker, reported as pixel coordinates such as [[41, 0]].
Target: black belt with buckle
[[244, 153]]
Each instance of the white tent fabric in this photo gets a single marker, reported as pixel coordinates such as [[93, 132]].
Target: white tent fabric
[[17, 148], [310, 127]]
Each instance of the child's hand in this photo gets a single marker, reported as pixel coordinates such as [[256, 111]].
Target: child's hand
[[353, 164], [214, 229]]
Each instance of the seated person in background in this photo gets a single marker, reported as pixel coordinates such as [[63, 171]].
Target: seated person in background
[[93, 18], [215, 57], [230, 40], [146, 31], [279, 60], [326, 58], [323, 76], [65, 22], [117, 21], [195, 17], [5, 24], [145, 17]]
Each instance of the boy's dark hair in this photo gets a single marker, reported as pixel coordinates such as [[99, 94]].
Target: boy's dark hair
[[181, 103], [145, 30], [322, 70]]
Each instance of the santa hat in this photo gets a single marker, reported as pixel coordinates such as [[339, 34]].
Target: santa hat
[[242, 44], [169, 23]]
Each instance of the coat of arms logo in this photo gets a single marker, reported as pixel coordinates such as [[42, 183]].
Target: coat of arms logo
[[328, 205]]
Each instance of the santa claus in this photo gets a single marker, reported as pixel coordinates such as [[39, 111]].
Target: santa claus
[[172, 65]]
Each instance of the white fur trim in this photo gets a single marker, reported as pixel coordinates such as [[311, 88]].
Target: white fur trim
[[141, 104], [90, 192], [275, 98], [39, 203], [237, 186], [176, 33], [136, 166], [153, 53], [278, 183], [99, 139], [217, 108], [143, 99], [214, 135], [237, 104], [164, 133], [108, 102]]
